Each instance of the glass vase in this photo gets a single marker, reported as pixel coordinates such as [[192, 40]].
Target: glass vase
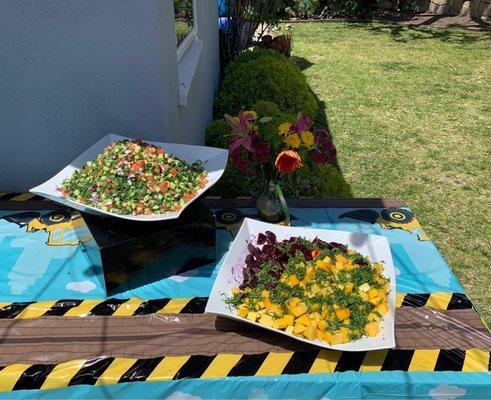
[[271, 205]]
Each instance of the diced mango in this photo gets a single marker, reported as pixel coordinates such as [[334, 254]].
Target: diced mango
[[315, 307], [328, 337], [383, 308], [372, 329], [267, 304], [319, 334], [364, 296], [315, 288], [348, 288], [293, 280], [242, 312], [343, 313], [266, 320], [364, 288], [276, 310], [310, 332], [252, 316], [376, 300], [342, 259], [337, 338], [289, 319], [300, 309], [299, 328], [315, 316], [289, 329], [378, 268], [236, 291], [304, 319], [280, 323], [372, 293], [322, 324], [322, 265], [345, 332], [294, 301], [372, 317]]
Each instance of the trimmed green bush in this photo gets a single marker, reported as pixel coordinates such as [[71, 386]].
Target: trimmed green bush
[[319, 180], [216, 134], [264, 75]]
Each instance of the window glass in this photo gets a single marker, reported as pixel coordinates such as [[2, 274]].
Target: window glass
[[184, 17]]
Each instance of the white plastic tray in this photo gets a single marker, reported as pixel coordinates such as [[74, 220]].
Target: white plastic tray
[[214, 162], [374, 246]]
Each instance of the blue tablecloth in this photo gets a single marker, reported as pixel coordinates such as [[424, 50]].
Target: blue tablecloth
[[33, 271]]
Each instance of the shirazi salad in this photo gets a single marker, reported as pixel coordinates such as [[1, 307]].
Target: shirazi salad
[[312, 289], [135, 177]]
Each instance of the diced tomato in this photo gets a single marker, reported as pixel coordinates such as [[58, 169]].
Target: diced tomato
[[164, 186], [173, 171], [150, 149], [187, 196], [203, 181], [160, 151], [315, 253], [176, 207], [137, 165]]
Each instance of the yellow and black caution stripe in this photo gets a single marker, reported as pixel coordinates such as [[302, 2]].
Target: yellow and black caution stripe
[[436, 300], [109, 370], [20, 197], [194, 305], [112, 306]]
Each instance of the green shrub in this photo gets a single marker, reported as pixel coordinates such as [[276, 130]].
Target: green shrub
[[264, 75], [303, 9], [216, 134], [318, 180]]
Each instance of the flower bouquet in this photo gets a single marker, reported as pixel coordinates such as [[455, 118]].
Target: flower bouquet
[[269, 162]]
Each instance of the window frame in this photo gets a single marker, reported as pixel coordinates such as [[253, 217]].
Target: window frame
[[189, 38]]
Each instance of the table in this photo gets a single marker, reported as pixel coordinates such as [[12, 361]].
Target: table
[[62, 338]]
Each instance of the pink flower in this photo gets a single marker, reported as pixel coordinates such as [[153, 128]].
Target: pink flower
[[239, 127], [303, 124]]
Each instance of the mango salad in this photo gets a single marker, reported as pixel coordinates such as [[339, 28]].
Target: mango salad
[[312, 289]]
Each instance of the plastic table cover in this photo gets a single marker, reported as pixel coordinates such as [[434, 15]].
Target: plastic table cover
[[63, 338]]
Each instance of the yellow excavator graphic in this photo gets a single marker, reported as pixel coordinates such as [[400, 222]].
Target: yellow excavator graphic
[[58, 224], [389, 218]]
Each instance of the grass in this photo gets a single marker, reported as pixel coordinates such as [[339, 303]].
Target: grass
[[410, 114]]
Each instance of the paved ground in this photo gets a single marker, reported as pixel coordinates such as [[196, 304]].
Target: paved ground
[[440, 21]]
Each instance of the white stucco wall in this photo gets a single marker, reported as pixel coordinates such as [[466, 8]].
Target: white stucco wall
[[73, 71]]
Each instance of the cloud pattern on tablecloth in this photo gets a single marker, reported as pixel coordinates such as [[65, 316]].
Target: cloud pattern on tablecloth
[[81, 286], [178, 395], [447, 392]]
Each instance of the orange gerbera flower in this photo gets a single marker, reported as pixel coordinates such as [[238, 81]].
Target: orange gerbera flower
[[288, 161]]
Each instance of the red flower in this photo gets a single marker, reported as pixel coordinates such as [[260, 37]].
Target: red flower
[[261, 150], [324, 152], [288, 161]]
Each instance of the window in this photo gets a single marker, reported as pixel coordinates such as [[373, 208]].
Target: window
[[184, 15]]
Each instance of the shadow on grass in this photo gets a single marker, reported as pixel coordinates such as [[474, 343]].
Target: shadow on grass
[[405, 34], [340, 187]]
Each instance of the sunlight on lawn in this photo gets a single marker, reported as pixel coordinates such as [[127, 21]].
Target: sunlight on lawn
[[411, 118]]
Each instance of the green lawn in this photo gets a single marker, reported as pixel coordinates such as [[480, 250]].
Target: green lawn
[[411, 118]]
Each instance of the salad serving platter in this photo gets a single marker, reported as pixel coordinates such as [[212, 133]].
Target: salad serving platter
[[214, 162], [375, 247]]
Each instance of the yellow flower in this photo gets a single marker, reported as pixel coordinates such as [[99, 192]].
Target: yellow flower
[[307, 138], [292, 141], [284, 128]]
